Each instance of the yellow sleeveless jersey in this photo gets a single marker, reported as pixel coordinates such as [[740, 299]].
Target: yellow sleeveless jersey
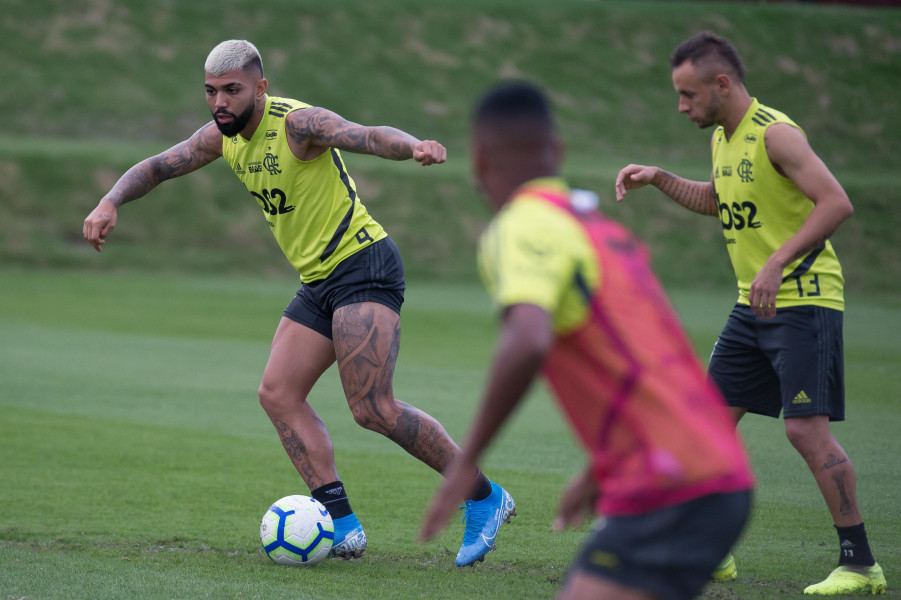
[[312, 206], [517, 266], [760, 210]]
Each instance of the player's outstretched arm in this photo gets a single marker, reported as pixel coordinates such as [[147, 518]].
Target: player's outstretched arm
[[200, 149], [697, 196], [313, 129]]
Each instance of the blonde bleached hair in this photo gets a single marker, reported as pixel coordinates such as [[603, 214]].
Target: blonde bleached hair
[[231, 55]]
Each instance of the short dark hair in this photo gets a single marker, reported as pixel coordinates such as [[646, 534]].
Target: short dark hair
[[707, 46], [514, 101]]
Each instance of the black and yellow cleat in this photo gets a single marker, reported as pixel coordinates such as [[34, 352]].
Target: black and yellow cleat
[[726, 570]]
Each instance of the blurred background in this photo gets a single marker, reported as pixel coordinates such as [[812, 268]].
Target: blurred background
[[92, 86]]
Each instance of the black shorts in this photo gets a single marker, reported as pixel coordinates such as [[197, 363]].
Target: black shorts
[[793, 363], [669, 552], [374, 274]]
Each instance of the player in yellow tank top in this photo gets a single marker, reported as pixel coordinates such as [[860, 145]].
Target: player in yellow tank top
[[288, 155], [761, 209], [781, 348], [312, 206]]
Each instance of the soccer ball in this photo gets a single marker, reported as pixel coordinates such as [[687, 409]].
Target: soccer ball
[[297, 530]]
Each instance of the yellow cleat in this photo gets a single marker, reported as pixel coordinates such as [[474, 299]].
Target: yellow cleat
[[850, 580], [726, 570]]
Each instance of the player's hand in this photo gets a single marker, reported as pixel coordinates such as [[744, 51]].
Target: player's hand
[[764, 288], [460, 478], [578, 501], [429, 152], [632, 177], [99, 224]]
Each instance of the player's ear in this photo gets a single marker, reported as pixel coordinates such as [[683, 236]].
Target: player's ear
[[262, 86], [723, 82]]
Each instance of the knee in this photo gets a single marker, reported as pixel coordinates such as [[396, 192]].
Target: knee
[[267, 397], [795, 433], [273, 399], [805, 435], [373, 416]]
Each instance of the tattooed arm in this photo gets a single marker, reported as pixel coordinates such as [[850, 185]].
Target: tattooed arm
[[698, 196], [311, 131], [200, 149]]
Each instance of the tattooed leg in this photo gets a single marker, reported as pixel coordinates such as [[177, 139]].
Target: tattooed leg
[[298, 358], [423, 437], [309, 447], [829, 464], [367, 341]]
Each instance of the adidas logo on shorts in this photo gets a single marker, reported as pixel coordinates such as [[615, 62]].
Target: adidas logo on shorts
[[802, 398]]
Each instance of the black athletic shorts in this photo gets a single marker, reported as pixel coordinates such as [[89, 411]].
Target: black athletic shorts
[[374, 274], [669, 552], [792, 363]]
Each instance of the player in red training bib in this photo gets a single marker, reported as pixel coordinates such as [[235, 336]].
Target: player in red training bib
[[580, 305]]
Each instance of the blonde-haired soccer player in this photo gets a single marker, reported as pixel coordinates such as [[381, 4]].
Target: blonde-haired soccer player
[[781, 348], [288, 155]]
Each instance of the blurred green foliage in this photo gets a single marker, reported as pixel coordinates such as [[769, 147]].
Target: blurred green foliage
[[92, 86]]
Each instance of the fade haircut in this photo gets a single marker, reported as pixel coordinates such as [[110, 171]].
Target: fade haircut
[[231, 55], [709, 53], [515, 104]]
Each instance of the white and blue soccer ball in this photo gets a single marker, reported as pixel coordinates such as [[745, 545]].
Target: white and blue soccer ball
[[297, 530]]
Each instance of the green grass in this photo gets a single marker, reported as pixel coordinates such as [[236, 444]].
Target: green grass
[[136, 462]]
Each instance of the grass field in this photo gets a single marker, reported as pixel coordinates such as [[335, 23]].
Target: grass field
[[136, 462]]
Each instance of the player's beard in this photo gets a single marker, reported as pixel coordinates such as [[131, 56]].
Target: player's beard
[[710, 116], [237, 124]]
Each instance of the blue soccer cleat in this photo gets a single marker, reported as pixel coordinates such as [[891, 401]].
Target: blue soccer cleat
[[350, 539], [483, 520]]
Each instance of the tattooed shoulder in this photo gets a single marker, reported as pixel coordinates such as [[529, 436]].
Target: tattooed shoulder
[[323, 127], [301, 124]]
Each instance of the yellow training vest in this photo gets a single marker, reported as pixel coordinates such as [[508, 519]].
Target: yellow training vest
[[760, 210], [312, 206]]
